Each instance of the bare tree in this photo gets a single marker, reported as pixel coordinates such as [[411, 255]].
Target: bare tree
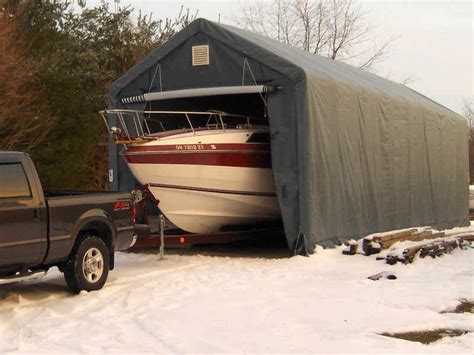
[[168, 27], [333, 28], [468, 111]]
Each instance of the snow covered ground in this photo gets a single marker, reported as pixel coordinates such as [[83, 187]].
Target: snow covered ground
[[195, 303]]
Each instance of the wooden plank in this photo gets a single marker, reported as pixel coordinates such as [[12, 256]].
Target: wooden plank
[[374, 245], [382, 275], [386, 241], [395, 235], [351, 250], [464, 236], [425, 235], [416, 237], [368, 248]]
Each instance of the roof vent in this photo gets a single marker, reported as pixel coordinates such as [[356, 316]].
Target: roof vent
[[200, 55]]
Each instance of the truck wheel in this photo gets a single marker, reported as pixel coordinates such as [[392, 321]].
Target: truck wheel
[[88, 266]]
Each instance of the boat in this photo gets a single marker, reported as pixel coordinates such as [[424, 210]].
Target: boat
[[206, 177]]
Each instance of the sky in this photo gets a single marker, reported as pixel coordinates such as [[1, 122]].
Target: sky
[[433, 40]]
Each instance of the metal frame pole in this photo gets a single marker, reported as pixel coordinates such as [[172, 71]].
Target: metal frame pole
[[162, 237]]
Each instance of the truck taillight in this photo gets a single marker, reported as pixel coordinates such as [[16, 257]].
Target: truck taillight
[[134, 214]]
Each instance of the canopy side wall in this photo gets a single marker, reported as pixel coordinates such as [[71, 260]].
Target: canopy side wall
[[284, 109], [377, 163]]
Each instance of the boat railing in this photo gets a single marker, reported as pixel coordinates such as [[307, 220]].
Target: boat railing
[[127, 126]]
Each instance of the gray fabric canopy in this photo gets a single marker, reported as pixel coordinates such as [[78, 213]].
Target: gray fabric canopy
[[352, 153]]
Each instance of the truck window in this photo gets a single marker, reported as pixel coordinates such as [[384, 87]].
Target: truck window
[[13, 181]]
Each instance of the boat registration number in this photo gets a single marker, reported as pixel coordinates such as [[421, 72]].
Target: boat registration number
[[190, 147]]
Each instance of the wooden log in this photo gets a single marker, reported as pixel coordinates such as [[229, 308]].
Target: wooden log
[[409, 253], [433, 248], [377, 243], [468, 238], [439, 248]]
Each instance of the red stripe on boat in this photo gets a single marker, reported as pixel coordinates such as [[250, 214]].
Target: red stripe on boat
[[255, 160]]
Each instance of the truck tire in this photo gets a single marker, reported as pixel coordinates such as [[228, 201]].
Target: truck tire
[[88, 266]]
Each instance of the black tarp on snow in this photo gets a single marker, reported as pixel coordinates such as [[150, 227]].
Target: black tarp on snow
[[352, 153]]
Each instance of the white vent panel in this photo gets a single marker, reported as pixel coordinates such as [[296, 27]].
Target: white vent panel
[[200, 55]]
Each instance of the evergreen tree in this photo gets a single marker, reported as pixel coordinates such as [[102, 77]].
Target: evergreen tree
[[77, 54]]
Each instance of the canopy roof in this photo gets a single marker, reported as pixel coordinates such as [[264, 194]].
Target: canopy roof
[[352, 153]]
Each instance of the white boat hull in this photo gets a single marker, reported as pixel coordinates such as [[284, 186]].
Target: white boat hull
[[208, 212], [204, 187]]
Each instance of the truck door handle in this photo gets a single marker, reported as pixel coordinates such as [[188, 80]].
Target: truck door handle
[[36, 213]]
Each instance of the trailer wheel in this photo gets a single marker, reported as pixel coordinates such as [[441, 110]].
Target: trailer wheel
[[88, 266]]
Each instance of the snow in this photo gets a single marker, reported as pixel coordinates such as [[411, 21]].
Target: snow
[[243, 304]]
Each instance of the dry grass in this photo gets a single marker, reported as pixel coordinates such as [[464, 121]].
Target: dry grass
[[427, 336], [465, 306]]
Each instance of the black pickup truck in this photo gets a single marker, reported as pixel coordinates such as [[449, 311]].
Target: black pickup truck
[[76, 231]]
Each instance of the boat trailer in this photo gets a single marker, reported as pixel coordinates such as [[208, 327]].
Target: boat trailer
[[173, 239], [147, 238]]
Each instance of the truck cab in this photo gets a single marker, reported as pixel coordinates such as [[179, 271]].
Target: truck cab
[[23, 213]]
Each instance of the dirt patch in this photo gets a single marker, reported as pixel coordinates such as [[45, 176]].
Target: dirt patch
[[464, 306], [427, 336]]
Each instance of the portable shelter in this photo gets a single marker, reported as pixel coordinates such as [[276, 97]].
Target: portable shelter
[[352, 153]]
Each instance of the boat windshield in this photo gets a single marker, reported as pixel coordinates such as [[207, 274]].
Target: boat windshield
[[132, 125]]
